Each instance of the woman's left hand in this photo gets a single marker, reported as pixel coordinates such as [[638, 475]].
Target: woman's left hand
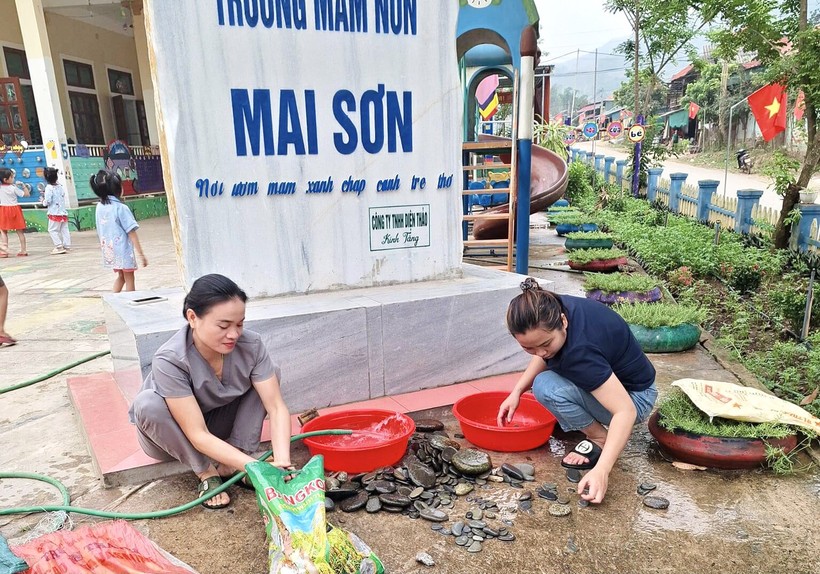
[[284, 466], [593, 485]]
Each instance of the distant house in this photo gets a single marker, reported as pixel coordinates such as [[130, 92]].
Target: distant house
[[677, 86], [595, 111]]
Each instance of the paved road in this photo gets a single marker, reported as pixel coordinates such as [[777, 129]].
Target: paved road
[[735, 181]]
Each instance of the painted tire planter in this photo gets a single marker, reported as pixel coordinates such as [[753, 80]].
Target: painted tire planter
[[564, 228], [613, 297], [600, 266], [588, 243], [714, 451], [666, 339]]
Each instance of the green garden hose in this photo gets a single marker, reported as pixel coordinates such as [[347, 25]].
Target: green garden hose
[[53, 373], [66, 506]]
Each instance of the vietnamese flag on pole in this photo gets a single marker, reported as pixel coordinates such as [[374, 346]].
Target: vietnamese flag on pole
[[768, 105], [693, 110]]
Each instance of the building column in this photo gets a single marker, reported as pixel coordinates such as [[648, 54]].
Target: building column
[[46, 96], [146, 81]]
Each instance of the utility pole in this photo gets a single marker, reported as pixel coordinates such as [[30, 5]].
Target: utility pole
[[575, 88], [724, 90]]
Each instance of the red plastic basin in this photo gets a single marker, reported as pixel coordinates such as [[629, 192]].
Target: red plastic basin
[[381, 440], [530, 428]]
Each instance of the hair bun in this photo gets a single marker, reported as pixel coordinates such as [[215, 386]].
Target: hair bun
[[530, 284]]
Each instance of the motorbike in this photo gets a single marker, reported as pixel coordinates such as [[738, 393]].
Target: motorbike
[[744, 161]]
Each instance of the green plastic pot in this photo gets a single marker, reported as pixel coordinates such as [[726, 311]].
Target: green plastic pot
[[602, 243], [666, 339]]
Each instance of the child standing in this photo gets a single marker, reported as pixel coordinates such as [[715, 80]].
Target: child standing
[[117, 230], [11, 214], [54, 200]]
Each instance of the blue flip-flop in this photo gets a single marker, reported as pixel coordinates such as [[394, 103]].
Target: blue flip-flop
[[588, 450]]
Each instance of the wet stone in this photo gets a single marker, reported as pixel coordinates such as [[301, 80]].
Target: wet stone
[[426, 559], [447, 453], [463, 488], [648, 486], [446, 531], [489, 515], [525, 505], [414, 514], [458, 435], [429, 425], [458, 528], [343, 491], [463, 540], [383, 486], [478, 537], [433, 515], [395, 499], [656, 502], [354, 503], [512, 471], [436, 526], [563, 499], [404, 490], [420, 505], [373, 504], [526, 495], [573, 475], [548, 494], [400, 474], [549, 486], [476, 524], [330, 506], [583, 503], [369, 477], [395, 509], [559, 510], [421, 475], [426, 495], [472, 462], [477, 514], [357, 477], [490, 531], [440, 442], [508, 537]]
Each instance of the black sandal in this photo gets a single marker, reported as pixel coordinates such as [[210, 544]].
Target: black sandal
[[211, 483]]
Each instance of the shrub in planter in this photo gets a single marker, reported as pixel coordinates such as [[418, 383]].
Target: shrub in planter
[[588, 240], [688, 434], [572, 222], [614, 288], [663, 327], [597, 259]]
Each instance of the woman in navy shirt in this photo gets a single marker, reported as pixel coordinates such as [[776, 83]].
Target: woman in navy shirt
[[588, 370]]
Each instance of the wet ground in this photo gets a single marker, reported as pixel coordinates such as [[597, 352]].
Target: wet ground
[[717, 521]]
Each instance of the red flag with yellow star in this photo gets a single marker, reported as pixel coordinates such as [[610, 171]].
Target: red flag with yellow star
[[768, 105]]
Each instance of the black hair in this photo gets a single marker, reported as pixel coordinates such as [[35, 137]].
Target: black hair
[[50, 174], [5, 173], [534, 308], [210, 290], [106, 184]]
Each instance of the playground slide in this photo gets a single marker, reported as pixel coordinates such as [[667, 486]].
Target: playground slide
[[548, 182]]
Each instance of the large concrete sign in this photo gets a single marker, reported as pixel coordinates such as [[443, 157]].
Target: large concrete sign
[[310, 144]]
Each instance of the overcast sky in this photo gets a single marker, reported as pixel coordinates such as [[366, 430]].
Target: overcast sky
[[569, 25]]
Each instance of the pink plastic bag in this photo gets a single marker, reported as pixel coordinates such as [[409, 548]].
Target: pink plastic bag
[[110, 547]]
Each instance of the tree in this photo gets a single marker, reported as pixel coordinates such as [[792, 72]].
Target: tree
[[654, 99], [664, 29], [778, 34], [706, 92], [561, 100]]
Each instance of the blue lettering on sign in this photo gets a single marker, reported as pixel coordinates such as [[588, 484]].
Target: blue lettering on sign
[[282, 188], [254, 121], [396, 16], [336, 15], [285, 13], [320, 186], [374, 117]]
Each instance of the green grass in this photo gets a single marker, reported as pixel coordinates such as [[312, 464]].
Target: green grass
[[652, 315], [571, 218], [583, 256], [678, 412], [589, 235], [617, 282]]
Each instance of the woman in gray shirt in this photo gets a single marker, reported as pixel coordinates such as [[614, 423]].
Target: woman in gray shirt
[[210, 387]]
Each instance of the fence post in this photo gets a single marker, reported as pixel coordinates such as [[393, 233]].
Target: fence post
[[574, 153], [608, 161], [675, 186], [809, 212], [619, 171], [746, 200], [706, 187], [652, 183], [599, 163], [582, 156]]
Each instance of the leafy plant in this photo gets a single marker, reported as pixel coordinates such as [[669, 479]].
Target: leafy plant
[[653, 315], [550, 135], [570, 218], [618, 282], [580, 191], [679, 413], [583, 256], [589, 235]]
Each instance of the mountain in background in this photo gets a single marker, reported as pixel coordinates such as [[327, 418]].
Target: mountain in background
[[611, 70]]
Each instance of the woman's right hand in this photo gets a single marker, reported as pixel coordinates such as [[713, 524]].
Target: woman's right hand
[[507, 409]]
